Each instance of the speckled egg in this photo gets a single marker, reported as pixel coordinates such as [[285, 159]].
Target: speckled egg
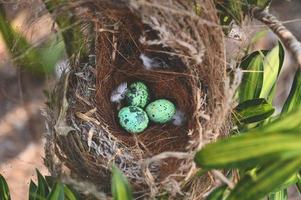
[[160, 111], [133, 119], [137, 95]]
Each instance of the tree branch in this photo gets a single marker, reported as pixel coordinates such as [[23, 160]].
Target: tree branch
[[286, 37]]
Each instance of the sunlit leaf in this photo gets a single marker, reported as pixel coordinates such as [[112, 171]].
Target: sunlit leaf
[[253, 110], [120, 186], [287, 121], [294, 99], [252, 80], [249, 149], [266, 180], [288, 182], [272, 65], [4, 191], [260, 3]]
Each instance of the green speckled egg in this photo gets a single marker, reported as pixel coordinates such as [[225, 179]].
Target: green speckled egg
[[160, 111], [137, 95], [133, 119]]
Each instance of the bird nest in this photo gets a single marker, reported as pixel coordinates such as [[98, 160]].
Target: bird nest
[[176, 48]]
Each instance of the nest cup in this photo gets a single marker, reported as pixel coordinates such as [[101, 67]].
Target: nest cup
[[85, 137]]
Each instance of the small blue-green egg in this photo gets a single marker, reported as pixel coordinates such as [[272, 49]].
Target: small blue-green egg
[[133, 119], [137, 95], [160, 111]]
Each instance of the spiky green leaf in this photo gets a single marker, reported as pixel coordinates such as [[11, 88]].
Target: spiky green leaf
[[272, 65], [32, 191], [252, 80], [43, 188], [253, 110], [4, 190], [57, 192], [70, 194], [120, 187], [294, 99]]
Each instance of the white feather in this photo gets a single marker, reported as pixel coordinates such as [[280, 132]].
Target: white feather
[[179, 118], [119, 93], [61, 67], [150, 63]]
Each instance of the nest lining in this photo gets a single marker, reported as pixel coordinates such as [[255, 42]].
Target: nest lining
[[192, 77]]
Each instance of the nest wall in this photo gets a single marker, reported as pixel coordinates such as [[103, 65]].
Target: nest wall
[[85, 138]]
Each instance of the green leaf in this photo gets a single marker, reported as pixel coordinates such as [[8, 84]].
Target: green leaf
[[43, 189], [259, 35], [70, 194], [4, 191], [40, 61], [260, 3], [32, 191], [266, 180], [70, 26], [298, 184], [252, 80], [120, 186], [287, 121], [280, 195], [217, 193], [253, 110], [57, 193], [234, 9], [288, 182], [249, 149], [294, 99], [272, 65], [50, 181], [51, 53]]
